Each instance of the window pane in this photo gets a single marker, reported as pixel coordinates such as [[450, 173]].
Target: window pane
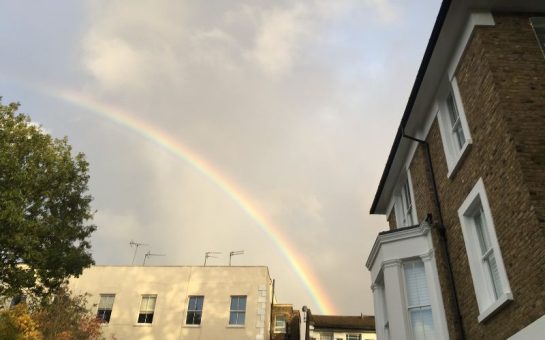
[[494, 275], [106, 301], [234, 302], [193, 318], [417, 288], [199, 302], [238, 310], [236, 318], [194, 310], [452, 110], [280, 324], [422, 324], [242, 303], [460, 138], [482, 233], [104, 315], [145, 318], [147, 304]]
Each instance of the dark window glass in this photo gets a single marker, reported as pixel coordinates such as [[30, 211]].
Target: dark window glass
[[194, 310]]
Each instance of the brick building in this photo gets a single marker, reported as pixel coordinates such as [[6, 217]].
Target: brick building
[[464, 185], [285, 323]]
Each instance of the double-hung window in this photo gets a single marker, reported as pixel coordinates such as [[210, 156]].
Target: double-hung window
[[105, 306], [237, 313], [418, 301], [405, 212], [488, 258], [280, 324], [147, 308], [194, 310], [453, 125], [456, 128], [485, 261], [538, 24]]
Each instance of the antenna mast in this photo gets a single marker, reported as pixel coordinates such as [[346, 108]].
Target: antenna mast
[[150, 254], [136, 245], [233, 253], [210, 254]]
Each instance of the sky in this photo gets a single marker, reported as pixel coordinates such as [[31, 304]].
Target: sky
[[261, 126]]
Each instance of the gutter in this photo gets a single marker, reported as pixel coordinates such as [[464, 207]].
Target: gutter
[[441, 16]]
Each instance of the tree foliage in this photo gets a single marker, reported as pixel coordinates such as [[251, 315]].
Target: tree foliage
[[44, 208], [61, 316]]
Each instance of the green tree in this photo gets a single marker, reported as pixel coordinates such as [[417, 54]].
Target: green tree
[[62, 316], [44, 208], [66, 317]]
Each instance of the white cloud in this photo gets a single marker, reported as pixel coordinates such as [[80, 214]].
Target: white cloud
[[278, 38], [387, 11]]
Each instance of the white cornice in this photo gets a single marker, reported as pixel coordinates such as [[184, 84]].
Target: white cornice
[[395, 236]]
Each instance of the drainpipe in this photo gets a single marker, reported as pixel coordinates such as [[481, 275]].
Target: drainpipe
[[271, 329], [442, 230]]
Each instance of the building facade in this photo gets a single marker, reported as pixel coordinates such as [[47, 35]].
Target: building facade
[[179, 302], [340, 327], [285, 324], [464, 185]]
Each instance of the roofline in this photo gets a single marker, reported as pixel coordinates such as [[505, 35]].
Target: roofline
[[441, 16]]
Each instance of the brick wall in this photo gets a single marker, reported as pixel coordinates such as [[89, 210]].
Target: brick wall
[[501, 77], [292, 322]]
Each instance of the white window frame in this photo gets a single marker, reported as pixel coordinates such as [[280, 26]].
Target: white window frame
[[282, 327], [405, 215], [103, 307], [195, 310], [237, 311], [488, 301], [146, 310], [453, 153], [408, 306]]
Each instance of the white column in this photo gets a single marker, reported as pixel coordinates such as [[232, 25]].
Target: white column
[[396, 306], [379, 302]]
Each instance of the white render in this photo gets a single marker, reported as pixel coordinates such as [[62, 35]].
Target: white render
[[173, 285], [341, 334], [386, 265]]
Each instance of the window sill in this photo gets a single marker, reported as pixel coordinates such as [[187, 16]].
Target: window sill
[[455, 163], [235, 326], [192, 326], [495, 307], [142, 325]]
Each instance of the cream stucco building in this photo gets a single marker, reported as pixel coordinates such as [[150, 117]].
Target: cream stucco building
[[179, 302]]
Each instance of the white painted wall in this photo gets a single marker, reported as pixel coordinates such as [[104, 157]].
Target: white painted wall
[[173, 285], [316, 334]]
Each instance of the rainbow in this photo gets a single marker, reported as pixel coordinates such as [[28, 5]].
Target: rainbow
[[180, 151]]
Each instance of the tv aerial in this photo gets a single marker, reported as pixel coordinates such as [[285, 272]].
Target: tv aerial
[[150, 254], [234, 253], [210, 254], [136, 245]]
